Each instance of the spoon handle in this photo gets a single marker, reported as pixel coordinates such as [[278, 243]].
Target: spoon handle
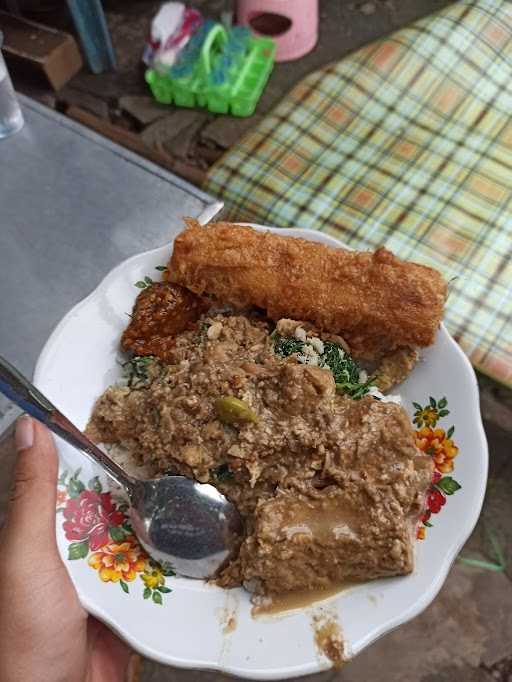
[[24, 394]]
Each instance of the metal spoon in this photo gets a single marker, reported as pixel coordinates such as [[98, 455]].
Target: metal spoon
[[186, 525]]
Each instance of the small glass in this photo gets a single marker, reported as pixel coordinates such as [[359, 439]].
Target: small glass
[[11, 118]]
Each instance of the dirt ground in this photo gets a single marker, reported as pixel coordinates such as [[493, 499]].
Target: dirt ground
[[189, 141], [466, 634]]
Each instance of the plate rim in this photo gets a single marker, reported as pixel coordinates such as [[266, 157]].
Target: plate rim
[[391, 624]]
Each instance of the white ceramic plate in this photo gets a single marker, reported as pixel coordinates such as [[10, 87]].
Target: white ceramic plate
[[202, 626]]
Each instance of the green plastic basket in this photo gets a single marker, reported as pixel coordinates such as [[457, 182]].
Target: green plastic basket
[[239, 88]]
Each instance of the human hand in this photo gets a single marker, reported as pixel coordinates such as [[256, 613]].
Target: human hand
[[45, 634]]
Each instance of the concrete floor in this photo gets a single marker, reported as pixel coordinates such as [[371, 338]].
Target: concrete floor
[[466, 634]]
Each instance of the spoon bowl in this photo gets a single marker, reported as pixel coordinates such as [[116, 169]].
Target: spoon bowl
[[188, 526]]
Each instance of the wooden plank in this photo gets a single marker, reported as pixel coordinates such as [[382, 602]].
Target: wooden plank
[[37, 49], [133, 142]]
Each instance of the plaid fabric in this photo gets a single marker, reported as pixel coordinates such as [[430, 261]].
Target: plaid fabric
[[408, 143]]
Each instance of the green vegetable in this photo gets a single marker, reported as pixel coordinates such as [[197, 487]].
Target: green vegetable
[[137, 371], [146, 282], [345, 371], [202, 332], [344, 368], [285, 346], [231, 410]]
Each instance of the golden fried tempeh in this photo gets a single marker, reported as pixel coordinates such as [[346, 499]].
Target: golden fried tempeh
[[395, 367], [161, 312], [375, 300]]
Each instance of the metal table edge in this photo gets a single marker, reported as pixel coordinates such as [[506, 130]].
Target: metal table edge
[[213, 206]]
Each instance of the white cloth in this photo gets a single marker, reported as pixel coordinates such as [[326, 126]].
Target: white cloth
[[167, 21]]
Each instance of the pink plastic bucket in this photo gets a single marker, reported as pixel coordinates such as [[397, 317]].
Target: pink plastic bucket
[[293, 24]]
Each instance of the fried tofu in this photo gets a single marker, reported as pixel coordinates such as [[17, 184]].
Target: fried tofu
[[302, 542], [376, 301]]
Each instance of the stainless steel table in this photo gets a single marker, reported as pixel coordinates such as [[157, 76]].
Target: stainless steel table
[[73, 205]]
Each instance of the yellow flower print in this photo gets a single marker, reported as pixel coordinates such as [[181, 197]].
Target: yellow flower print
[[428, 416], [431, 413], [117, 562], [153, 577], [439, 445]]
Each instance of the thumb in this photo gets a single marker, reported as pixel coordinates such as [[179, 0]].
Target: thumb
[[31, 513]]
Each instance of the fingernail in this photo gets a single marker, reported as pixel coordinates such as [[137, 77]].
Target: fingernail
[[24, 437]]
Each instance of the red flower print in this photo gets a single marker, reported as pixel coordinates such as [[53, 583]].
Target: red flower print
[[426, 516], [436, 477], [89, 516], [435, 500]]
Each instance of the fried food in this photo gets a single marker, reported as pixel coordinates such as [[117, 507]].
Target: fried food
[[395, 368], [162, 310], [280, 418], [330, 488], [376, 301], [329, 537]]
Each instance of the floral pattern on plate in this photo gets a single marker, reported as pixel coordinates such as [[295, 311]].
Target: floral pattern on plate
[[439, 444], [99, 530]]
